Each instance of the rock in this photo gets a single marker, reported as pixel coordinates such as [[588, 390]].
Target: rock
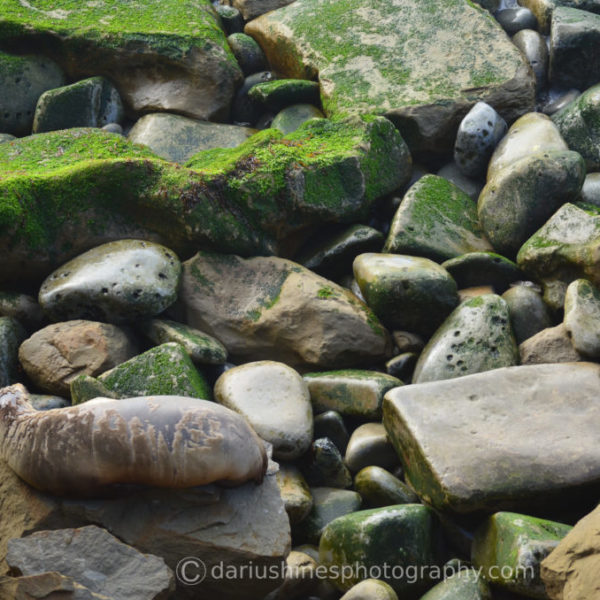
[[84, 388], [579, 124], [118, 281], [379, 487], [582, 317], [570, 572], [436, 220], [519, 199], [483, 268], [335, 254], [550, 345], [292, 117], [406, 292], [543, 9], [237, 526], [530, 134], [246, 110], [370, 589], [476, 337], [274, 399], [22, 307], [44, 402], [516, 19], [50, 586], [23, 79], [528, 313], [95, 559], [202, 348], [165, 370], [402, 365], [177, 139], [509, 548], [330, 424], [300, 578], [329, 504], [563, 250], [478, 134], [404, 535], [251, 9], [164, 56], [504, 468], [590, 192], [248, 53], [408, 342], [350, 392], [533, 46], [11, 336], [369, 59], [471, 187], [324, 466], [572, 36], [369, 446], [272, 308], [295, 493], [324, 172], [282, 93], [113, 128], [53, 356], [92, 102], [6, 137], [558, 99], [231, 18], [467, 584]]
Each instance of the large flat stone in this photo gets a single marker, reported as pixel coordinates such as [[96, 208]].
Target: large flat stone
[[369, 58], [505, 438], [162, 55]]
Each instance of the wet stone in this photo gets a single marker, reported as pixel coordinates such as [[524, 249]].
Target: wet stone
[[330, 424], [12, 334], [118, 281], [247, 52], [245, 110], [408, 342], [277, 95], [300, 578], [44, 402], [290, 118], [369, 446], [379, 488], [582, 317], [295, 492], [533, 46], [451, 172], [558, 100], [513, 20], [402, 365], [528, 313], [324, 466], [232, 20]]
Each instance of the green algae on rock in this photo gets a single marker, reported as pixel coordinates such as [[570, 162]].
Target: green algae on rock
[[98, 187], [509, 547], [368, 56], [161, 55], [276, 95], [436, 220]]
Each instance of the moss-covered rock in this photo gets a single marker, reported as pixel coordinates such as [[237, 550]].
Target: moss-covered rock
[[99, 187], [164, 370], [276, 95], [161, 55], [86, 387], [436, 220], [292, 117], [368, 56], [509, 548]]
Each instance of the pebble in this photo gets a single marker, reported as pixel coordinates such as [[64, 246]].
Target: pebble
[[379, 487], [369, 446], [324, 466], [402, 365], [232, 20], [116, 282], [528, 313], [370, 589], [330, 424], [295, 492], [513, 20], [533, 46], [582, 317], [245, 110], [248, 53], [452, 172], [559, 100]]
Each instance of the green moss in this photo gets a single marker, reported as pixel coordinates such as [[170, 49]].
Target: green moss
[[325, 292]]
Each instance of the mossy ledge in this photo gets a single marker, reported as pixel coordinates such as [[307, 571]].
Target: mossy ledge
[[66, 191]]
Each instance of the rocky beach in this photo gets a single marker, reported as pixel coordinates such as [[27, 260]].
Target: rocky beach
[[299, 300]]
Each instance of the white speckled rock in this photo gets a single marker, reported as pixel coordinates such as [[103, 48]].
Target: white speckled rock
[[275, 401]]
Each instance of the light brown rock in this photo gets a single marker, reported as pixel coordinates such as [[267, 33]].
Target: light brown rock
[[572, 570], [53, 356], [551, 345]]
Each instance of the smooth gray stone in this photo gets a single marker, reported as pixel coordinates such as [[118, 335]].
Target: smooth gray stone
[[528, 313], [582, 317], [513, 20], [533, 46], [232, 20], [473, 443], [557, 100], [369, 446], [331, 425], [248, 53], [245, 110], [590, 192]]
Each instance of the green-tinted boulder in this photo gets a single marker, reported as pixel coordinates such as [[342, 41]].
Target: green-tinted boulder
[[86, 387], [436, 220], [248, 200], [328, 504], [164, 370], [467, 584], [12, 334], [406, 292], [276, 95], [403, 536], [379, 487], [92, 102], [160, 55], [202, 348], [290, 118], [473, 443], [582, 317], [23, 79], [509, 548], [350, 392], [177, 139], [476, 337], [368, 57], [566, 248], [520, 198]]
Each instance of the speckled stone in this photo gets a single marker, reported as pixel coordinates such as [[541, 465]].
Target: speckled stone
[[274, 400], [533, 46], [118, 281], [290, 118], [528, 313], [295, 492], [478, 134], [476, 337], [369, 446], [406, 292], [582, 317], [379, 487]]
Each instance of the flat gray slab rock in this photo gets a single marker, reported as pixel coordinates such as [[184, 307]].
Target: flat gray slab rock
[[369, 58], [473, 443]]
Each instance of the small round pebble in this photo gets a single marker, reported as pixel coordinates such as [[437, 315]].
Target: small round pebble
[[513, 20]]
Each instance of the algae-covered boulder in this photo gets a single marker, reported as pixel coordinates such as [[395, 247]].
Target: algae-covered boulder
[[98, 187], [368, 56], [161, 55]]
